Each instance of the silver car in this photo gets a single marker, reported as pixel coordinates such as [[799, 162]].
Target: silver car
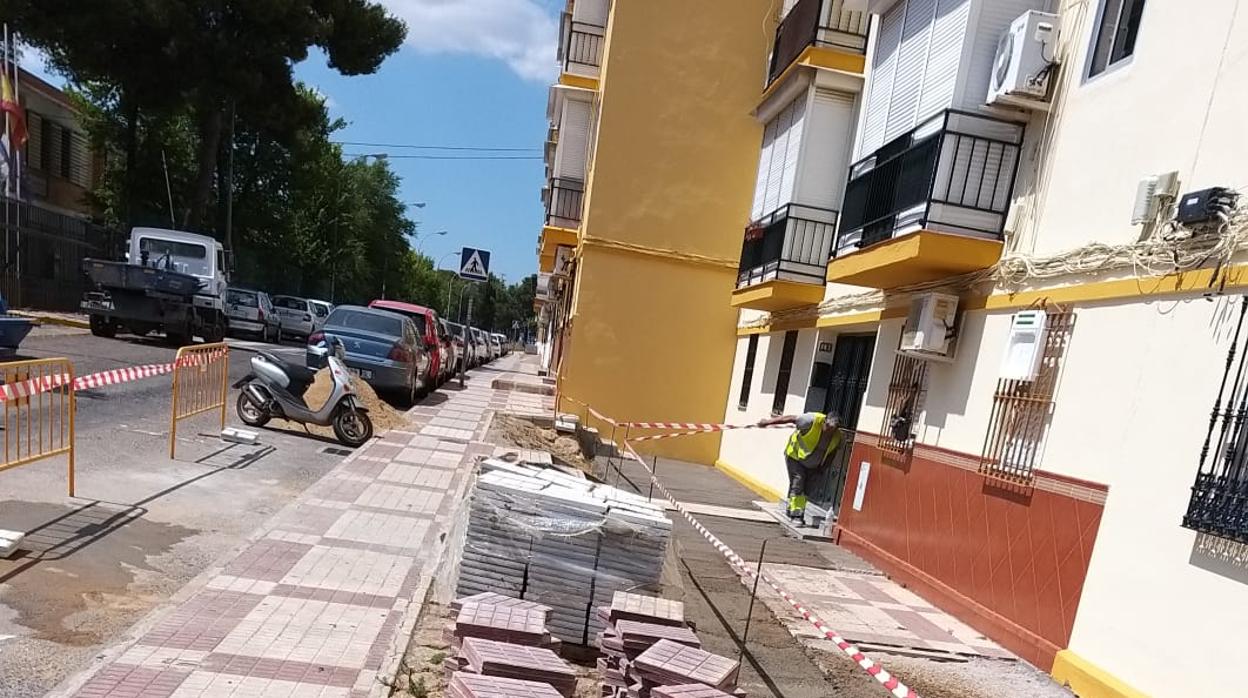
[[382, 347], [252, 313], [320, 311], [298, 316]]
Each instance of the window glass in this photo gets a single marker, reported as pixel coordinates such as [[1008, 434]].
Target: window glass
[[246, 299], [1116, 31], [786, 369], [368, 322], [184, 257], [747, 377]]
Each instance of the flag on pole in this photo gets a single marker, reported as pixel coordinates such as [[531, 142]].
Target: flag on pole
[[9, 105]]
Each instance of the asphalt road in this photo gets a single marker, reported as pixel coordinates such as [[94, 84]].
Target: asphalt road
[[142, 525]]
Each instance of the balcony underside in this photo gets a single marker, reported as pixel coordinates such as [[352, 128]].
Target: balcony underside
[[913, 258], [777, 294], [553, 237]]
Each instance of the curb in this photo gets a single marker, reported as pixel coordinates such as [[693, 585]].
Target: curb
[[52, 320]]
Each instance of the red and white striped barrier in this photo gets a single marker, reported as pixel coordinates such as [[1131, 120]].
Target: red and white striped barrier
[[121, 375], [887, 680], [116, 376]]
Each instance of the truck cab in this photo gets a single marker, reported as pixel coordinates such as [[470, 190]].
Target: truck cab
[[171, 281]]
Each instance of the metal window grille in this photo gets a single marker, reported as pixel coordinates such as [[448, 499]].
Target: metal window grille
[[906, 389], [747, 377], [1219, 501], [1021, 409], [786, 370]]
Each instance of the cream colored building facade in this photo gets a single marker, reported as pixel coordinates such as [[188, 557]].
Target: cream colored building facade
[[1068, 530]]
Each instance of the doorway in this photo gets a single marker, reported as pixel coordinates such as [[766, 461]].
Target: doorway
[[843, 382]]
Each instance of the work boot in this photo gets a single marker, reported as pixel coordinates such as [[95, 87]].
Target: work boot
[[798, 517]]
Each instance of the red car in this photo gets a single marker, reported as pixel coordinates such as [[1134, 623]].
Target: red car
[[426, 321]]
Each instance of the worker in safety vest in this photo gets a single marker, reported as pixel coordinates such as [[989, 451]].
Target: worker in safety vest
[[807, 454]]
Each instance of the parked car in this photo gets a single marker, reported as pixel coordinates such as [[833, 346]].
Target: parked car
[[447, 340], [320, 311], [483, 346], [251, 313], [496, 344], [382, 347], [463, 348], [298, 317], [426, 321]]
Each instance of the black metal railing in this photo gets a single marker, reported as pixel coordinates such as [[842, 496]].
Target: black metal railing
[[791, 243], [817, 23], [41, 252], [1219, 501], [563, 205], [954, 173], [583, 51]]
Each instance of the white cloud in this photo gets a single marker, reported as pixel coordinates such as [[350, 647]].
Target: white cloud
[[521, 33], [330, 103]]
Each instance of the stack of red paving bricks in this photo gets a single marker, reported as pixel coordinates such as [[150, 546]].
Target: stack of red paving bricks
[[504, 649], [650, 651]]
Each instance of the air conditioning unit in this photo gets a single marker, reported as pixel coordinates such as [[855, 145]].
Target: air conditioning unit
[[928, 333], [1025, 62]]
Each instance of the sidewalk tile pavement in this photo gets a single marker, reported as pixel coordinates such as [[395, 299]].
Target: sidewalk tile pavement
[[314, 606]]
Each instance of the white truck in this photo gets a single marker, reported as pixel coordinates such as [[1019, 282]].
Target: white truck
[[171, 281]]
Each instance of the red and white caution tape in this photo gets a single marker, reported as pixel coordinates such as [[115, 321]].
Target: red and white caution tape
[[121, 375], [116, 376], [887, 680]]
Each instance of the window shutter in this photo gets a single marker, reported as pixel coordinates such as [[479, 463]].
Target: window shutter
[[879, 89], [779, 151], [943, 58], [792, 151], [764, 168], [911, 64]]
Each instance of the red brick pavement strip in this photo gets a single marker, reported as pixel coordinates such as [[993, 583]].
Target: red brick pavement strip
[[118, 680], [267, 560], [280, 669], [202, 622]]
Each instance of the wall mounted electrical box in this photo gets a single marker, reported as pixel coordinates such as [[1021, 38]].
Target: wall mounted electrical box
[[1025, 348]]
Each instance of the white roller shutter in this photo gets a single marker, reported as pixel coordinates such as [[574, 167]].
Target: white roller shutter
[[764, 168], [590, 12], [573, 146], [944, 57], [825, 166], [775, 174], [911, 64], [880, 86], [793, 150]]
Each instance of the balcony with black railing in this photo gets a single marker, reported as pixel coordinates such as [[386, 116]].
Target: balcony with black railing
[[930, 204], [823, 24], [564, 201], [581, 48], [784, 257]]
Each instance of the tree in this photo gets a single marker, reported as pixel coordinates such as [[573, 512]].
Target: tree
[[202, 60]]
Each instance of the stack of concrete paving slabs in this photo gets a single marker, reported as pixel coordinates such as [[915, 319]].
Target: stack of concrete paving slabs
[[542, 535], [688, 690], [634, 623], [669, 663], [501, 659], [493, 599], [468, 685], [647, 609], [519, 626]]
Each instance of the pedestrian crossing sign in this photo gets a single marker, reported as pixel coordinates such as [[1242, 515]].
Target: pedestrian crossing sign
[[474, 264]]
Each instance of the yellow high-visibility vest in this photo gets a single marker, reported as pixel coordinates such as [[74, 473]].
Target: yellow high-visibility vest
[[802, 445]]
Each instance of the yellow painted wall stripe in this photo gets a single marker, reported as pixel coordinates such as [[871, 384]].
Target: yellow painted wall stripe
[[1087, 680], [749, 481], [1196, 281]]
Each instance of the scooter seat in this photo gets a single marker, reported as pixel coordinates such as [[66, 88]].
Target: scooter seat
[[300, 376]]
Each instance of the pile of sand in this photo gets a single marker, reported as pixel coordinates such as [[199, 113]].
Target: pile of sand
[[384, 416], [525, 434]]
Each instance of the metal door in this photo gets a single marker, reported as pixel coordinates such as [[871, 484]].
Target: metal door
[[846, 385]]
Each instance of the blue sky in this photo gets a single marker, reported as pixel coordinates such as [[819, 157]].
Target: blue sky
[[472, 73]]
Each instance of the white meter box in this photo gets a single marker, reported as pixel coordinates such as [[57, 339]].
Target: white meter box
[[1025, 348]]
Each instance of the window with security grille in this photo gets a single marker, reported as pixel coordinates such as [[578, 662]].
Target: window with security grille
[[1219, 500], [1117, 27], [747, 376], [58, 151], [906, 389], [785, 372], [1021, 408]]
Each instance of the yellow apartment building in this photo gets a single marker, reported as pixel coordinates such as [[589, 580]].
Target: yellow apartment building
[[655, 133]]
